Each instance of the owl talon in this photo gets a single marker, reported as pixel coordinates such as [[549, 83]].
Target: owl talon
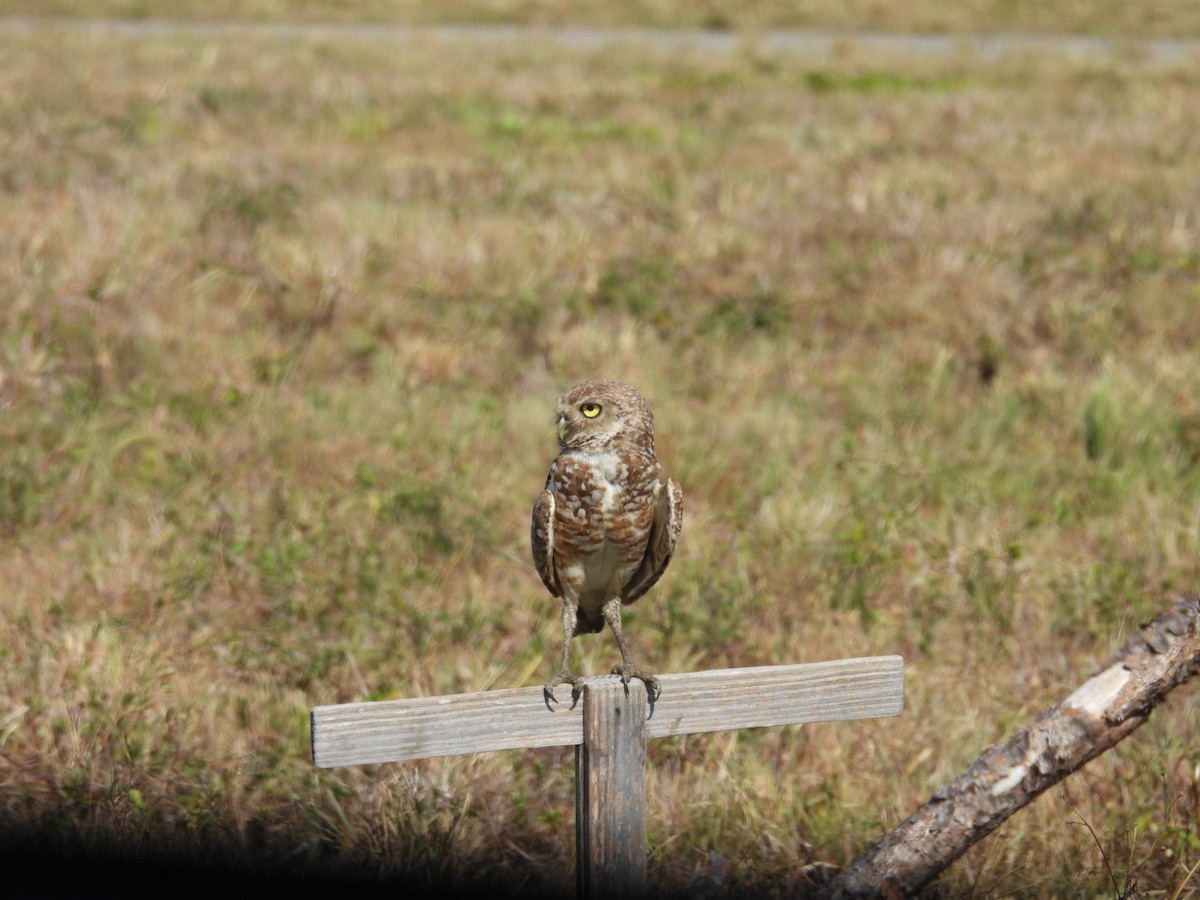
[[653, 691], [563, 678]]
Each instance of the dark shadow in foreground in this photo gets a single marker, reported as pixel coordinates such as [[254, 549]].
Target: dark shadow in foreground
[[45, 864]]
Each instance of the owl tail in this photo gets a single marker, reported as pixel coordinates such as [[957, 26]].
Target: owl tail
[[589, 622]]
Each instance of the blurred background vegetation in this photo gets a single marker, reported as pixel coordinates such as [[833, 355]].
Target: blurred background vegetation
[[282, 323], [1162, 18]]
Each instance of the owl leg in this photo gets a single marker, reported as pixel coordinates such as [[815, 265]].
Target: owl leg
[[627, 669], [570, 616]]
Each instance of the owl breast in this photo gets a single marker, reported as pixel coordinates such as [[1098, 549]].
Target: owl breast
[[603, 518]]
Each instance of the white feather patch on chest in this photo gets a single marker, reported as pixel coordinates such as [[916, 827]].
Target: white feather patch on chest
[[612, 470], [601, 574]]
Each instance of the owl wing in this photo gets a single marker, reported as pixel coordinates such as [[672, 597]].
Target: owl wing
[[541, 536], [664, 535]]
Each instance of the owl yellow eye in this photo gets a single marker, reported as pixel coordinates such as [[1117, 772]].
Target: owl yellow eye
[[590, 409]]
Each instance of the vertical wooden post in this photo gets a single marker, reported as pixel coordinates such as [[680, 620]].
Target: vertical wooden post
[[608, 728], [610, 791]]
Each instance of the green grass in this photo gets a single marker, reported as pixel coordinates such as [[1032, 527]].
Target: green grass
[[281, 329]]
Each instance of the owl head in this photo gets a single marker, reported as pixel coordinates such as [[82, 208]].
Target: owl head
[[600, 414]]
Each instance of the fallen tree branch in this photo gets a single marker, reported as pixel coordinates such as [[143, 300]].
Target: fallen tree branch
[[1007, 776]]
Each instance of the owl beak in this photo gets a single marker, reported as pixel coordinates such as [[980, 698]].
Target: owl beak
[[562, 427]]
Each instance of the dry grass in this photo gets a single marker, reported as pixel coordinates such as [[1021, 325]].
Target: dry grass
[[281, 325], [1150, 18]]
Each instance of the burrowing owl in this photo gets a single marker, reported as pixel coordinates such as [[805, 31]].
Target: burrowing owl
[[608, 520]]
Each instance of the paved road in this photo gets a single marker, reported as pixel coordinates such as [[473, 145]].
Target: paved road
[[806, 43]]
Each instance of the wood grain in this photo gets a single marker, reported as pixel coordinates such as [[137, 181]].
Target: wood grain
[[610, 793], [714, 700]]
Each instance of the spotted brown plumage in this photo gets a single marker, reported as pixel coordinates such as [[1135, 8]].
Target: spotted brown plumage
[[606, 524]]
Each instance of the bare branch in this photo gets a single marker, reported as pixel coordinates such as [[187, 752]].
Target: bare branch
[[1007, 776]]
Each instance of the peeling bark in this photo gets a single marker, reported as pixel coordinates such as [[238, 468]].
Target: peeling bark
[[1102, 712]]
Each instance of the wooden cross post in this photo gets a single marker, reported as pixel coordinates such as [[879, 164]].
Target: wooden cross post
[[609, 727]]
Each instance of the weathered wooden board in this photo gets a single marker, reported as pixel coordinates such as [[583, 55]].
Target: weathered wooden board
[[610, 793], [714, 700]]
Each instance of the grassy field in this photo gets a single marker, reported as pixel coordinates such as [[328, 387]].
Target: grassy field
[[1150, 18], [282, 324]]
